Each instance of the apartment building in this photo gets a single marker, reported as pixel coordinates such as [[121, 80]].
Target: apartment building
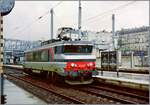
[[134, 40]]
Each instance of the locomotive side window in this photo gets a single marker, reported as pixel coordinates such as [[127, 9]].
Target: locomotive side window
[[77, 49], [37, 56], [58, 49], [29, 56], [26, 57], [44, 56]]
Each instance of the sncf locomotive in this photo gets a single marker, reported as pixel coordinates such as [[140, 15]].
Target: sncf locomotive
[[72, 60]]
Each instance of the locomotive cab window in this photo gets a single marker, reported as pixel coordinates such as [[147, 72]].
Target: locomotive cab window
[[77, 49]]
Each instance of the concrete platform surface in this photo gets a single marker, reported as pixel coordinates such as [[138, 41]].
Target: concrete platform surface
[[142, 82], [135, 84]]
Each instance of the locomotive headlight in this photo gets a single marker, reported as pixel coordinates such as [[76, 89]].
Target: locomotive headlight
[[90, 64], [73, 65]]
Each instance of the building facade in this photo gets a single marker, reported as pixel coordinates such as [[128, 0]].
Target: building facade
[[102, 40], [136, 41]]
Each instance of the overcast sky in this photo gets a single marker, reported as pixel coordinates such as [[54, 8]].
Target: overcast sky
[[23, 22]]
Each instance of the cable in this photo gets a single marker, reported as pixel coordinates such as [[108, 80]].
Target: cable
[[109, 11], [57, 18], [56, 4], [118, 8], [39, 18], [30, 24], [85, 21]]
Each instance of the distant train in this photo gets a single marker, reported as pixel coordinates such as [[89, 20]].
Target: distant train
[[72, 60]]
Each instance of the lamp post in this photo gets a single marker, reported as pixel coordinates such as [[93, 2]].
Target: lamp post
[[5, 8], [1, 59]]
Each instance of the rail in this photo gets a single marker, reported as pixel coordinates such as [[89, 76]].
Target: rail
[[116, 95], [48, 89]]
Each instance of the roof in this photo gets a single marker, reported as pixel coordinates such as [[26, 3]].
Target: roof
[[133, 30], [59, 43]]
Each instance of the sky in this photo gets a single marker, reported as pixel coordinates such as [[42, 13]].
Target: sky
[[23, 23]]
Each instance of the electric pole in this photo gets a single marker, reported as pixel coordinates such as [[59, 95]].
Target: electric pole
[[52, 12], [79, 19], [149, 40], [113, 31]]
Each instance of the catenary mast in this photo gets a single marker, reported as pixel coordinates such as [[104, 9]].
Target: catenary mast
[[79, 19]]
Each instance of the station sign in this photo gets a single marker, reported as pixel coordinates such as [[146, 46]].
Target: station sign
[[6, 6]]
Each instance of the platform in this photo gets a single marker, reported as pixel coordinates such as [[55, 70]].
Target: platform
[[135, 84], [15, 66], [18, 96]]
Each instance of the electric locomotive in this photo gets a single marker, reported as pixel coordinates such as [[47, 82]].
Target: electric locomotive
[[71, 59]]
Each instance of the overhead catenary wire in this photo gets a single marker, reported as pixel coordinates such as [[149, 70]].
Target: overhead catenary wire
[[104, 14], [57, 18], [83, 22], [22, 29], [57, 5], [93, 19], [107, 12]]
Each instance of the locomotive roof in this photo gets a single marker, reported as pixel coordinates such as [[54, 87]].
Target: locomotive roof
[[60, 43]]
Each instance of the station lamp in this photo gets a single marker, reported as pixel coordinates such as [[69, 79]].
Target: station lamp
[[6, 7]]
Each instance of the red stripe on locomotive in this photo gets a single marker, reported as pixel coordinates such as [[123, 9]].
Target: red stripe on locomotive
[[80, 66], [51, 54]]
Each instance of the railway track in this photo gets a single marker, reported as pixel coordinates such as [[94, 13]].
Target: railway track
[[104, 94], [116, 95], [47, 88], [69, 94], [125, 93]]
